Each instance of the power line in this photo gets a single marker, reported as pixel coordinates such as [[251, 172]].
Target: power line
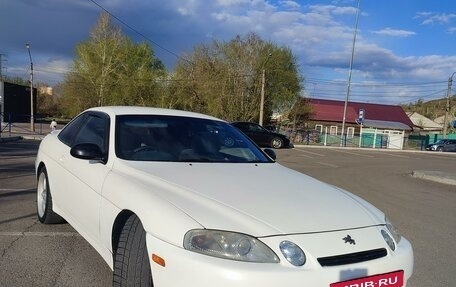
[[139, 33], [370, 84]]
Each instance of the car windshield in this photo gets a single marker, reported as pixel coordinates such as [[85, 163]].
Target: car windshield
[[182, 139]]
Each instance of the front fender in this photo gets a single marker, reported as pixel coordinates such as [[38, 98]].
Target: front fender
[[159, 217]]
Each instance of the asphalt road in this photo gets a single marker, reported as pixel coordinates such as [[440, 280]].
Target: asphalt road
[[33, 254]]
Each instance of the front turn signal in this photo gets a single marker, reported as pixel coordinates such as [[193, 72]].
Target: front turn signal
[[157, 259]]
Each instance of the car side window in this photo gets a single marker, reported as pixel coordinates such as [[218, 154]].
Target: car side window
[[242, 126], [94, 131], [69, 131], [255, 128]]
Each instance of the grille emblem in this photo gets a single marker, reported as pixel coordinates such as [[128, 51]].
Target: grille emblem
[[348, 239]]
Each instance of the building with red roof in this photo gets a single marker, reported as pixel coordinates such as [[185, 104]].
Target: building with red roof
[[387, 121]]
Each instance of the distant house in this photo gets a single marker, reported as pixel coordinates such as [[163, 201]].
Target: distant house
[[423, 123], [451, 120], [381, 125]]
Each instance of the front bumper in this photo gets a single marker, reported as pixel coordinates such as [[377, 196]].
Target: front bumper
[[185, 268]]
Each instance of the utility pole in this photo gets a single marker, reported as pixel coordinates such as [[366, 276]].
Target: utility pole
[[263, 82], [347, 96], [1, 67], [32, 122], [447, 107], [262, 97]]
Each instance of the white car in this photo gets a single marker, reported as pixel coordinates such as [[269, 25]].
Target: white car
[[173, 198]]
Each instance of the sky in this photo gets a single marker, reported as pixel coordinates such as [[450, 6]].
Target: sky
[[405, 50]]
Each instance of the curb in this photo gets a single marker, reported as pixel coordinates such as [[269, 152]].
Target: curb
[[437, 176], [18, 137], [10, 139]]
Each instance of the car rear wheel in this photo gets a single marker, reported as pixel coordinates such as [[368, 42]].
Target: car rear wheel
[[44, 200], [276, 143], [131, 260]]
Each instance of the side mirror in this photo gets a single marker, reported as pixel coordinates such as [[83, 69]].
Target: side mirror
[[87, 151], [270, 153]]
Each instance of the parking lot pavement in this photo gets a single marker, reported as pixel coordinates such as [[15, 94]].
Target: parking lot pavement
[[33, 254], [445, 177]]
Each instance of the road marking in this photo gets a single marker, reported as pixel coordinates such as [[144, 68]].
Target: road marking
[[16, 189], [15, 169], [41, 234], [313, 153], [305, 155], [352, 153], [327, 164], [396, 155]]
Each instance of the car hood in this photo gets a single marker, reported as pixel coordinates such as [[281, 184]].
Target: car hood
[[257, 199]]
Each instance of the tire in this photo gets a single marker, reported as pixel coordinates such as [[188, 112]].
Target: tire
[[276, 143], [440, 149], [131, 260], [44, 200]]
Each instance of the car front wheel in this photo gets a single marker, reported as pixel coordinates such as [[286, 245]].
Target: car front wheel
[[44, 200], [131, 260], [276, 143]]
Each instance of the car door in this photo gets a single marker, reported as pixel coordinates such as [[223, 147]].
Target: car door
[[262, 137], [83, 179], [452, 145]]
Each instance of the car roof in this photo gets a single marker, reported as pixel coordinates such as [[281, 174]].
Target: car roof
[[137, 110], [244, 123]]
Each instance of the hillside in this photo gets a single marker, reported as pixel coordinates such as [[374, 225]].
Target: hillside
[[431, 109]]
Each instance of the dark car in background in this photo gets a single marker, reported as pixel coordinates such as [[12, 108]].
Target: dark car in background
[[442, 145], [261, 136]]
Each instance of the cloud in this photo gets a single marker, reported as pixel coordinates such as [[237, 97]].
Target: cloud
[[334, 10], [394, 32], [291, 5], [451, 30], [319, 35], [429, 18]]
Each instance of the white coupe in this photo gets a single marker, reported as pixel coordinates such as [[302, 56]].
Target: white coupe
[[173, 198]]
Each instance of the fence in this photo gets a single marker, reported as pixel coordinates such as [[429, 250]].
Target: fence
[[367, 140], [19, 124]]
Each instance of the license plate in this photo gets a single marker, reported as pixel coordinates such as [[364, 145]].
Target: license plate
[[393, 279]]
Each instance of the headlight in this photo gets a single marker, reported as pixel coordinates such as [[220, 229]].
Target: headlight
[[388, 240], [293, 253], [392, 232], [229, 245]]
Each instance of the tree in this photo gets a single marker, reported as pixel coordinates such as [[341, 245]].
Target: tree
[[47, 104], [109, 69], [224, 79], [299, 114]]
